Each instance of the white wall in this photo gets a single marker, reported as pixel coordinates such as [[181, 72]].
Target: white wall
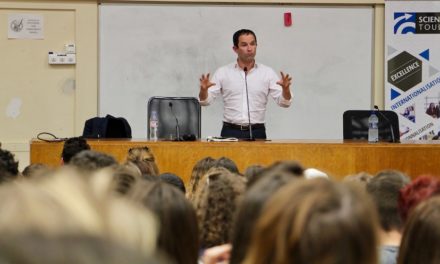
[[161, 50]]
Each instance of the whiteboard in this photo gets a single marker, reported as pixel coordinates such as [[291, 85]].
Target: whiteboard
[[162, 49]]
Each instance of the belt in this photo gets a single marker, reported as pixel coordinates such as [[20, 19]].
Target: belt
[[242, 127]]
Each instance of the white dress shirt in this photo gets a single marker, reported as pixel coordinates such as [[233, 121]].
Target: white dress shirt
[[230, 83]]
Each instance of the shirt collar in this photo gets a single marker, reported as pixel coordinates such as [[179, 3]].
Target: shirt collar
[[238, 67]]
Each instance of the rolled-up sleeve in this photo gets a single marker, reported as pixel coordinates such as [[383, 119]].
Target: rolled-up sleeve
[[214, 91], [276, 92]]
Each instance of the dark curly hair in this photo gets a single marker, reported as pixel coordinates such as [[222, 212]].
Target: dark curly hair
[[8, 166], [216, 201], [89, 161], [73, 146]]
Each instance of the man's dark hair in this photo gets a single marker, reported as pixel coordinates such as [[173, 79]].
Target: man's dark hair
[[226, 163], [384, 189], [89, 160], [242, 32], [288, 166], [8, 166], [73, 146], [173, 180]]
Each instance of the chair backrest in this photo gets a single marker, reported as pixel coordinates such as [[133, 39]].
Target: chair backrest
[[356, 125], [186, 110]]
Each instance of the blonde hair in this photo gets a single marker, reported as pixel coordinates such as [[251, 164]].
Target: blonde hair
[[139, 155], [125, 177], [69, 203]]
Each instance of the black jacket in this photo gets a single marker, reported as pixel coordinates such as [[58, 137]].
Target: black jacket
[[107, 127]]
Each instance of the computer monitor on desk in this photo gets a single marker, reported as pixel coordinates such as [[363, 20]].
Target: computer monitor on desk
[[356, 125]]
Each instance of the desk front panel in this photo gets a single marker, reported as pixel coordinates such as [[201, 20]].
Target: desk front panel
[[337, 158]]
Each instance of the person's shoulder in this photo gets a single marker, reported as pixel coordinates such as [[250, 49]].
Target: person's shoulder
[[225, 68], [266, 70], [263, 67], [228, 66]]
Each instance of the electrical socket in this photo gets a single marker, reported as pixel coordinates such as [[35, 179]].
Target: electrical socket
[[61, 58]]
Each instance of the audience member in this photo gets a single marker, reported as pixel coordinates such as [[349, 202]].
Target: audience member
[[216, 201], [289, 166], [250, 208], [421, 236], [227, 163], [178, 235], [315, 221], [34, 248], [8, 166], [36, 170], [89, 161], [173, 180], [67, 204], [420, 189], [145, 167], [361, 179], [384, 188], [125, 177], [199, 169], [144, 158], [252, 172], [73, 146]]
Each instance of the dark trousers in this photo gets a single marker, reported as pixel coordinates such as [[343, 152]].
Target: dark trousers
[[243, 133]]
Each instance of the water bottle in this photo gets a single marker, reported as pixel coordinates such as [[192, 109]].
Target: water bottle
[[154, 125], [373, 128]]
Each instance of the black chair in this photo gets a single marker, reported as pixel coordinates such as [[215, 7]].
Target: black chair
[[176, 114], [356, 125]]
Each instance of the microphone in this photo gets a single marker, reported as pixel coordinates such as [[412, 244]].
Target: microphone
[[251, 137], [393, 138], [170, 104]]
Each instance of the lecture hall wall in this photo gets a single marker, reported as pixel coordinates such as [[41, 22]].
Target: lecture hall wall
[[38, 97]]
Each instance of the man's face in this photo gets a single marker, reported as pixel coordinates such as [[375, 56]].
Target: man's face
[[247, 48]]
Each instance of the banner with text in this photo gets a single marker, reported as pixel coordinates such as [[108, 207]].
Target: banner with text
[[412, 66]]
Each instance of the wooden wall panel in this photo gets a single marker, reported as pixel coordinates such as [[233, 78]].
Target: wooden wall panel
[[337, 158]]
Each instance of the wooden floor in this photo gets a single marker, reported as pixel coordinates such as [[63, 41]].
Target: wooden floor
[[337, 158]]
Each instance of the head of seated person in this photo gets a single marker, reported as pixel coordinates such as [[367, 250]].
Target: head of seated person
[[316, 221]]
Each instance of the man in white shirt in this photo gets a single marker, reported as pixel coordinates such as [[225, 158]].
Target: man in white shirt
[[230, 82]]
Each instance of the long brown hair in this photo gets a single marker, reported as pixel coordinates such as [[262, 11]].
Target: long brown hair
[[421, 235], [199, 169], [178, 235], [144, 158], [316, 222]]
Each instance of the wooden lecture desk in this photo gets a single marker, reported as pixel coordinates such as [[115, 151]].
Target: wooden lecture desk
[[337, 158]]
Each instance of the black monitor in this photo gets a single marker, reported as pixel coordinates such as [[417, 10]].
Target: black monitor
[[356, 125]]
